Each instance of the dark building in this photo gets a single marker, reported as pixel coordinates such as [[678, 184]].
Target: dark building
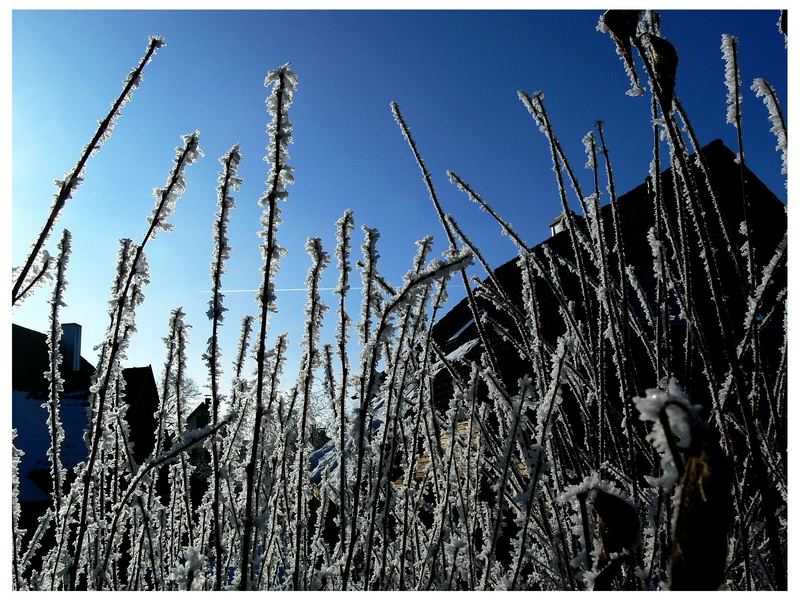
[[457, 335], [677, 331], [29, 416]]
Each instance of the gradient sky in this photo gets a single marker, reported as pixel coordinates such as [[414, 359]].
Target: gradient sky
[[455, 76]]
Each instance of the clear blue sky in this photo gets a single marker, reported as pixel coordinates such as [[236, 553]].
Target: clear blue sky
[[455, 76]]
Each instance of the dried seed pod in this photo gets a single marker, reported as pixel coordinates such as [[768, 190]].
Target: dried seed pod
[[665, 65], [621, 25]]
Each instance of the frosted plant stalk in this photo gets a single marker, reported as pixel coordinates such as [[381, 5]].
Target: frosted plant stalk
[[488, 349], [38, 278], [228, 181], [344, 228], [53, 375], [734, 98], [186, 442], [408, 294], [74, 177], [16, 532], [283, 82], [127, 299], [315, 310], [391, 406], [763, 89]]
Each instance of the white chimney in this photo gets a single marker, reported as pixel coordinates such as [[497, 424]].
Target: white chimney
[[71, 346]]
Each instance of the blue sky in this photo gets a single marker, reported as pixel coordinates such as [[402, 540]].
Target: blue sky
[[455, 77]]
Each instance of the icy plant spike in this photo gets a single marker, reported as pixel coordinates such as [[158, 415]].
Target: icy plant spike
[[123, 320], [315, 309], [398, 116], [283, 82], [763, 89], [72, 179], [228, 181], [53, 375]]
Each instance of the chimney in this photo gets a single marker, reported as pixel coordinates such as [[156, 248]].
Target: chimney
[[558, 224], [71, 346]]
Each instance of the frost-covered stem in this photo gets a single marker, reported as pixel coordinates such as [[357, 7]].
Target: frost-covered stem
[[411, 451], [280, 174], [147, 528], [602, 263], [517, 406], [712, 192], [709, 264], [170, 341], [756, 301], [573, 180], [488, 349], [532, 496], [166, 199], [181, 335], [344, 227], [61, 538], [443, 505], [470, 507], [659, 270], [720, 313], [770, 501], [498, 287], [314, 311], [39, 277], [74, 177], [524, 250], [619, 236], [279, 353], [369, 277], [779, 386], [16, 532], [542, 435], [187, 442], [680, 184], [535, 105], [328, 382], [587, 539], [55, 382], [244, 342], [434, 448], [620, 332], [390, 420], [228, 180], [734, 117], [398, 423], [504, 225], [275, 500], [370, 280], [369, 374], [764, 89], [561, 535], [45, 521]]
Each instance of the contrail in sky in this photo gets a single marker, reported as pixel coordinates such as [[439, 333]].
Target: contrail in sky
[[322, 289]]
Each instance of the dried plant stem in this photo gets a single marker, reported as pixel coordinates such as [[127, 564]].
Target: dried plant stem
[[74, 177]]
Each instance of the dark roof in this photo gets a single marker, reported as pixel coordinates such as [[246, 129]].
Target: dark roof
[[30, 360], [767, 221]]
